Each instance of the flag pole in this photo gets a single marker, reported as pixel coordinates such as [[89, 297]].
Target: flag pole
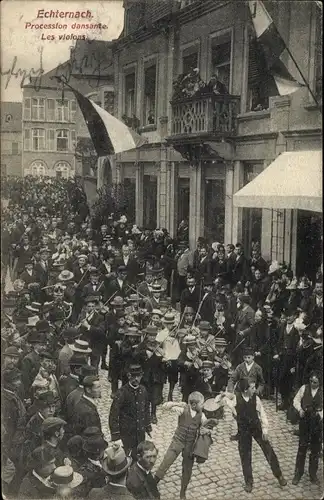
[[296, 64]]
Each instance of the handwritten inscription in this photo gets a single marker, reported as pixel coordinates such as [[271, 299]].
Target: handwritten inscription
[[24, 75]]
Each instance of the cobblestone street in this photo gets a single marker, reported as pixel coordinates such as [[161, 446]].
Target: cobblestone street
[[221, 475]]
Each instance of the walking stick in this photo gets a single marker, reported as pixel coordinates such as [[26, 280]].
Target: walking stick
[[171, 285]]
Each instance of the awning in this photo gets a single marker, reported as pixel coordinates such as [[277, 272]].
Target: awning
[[292, 181]]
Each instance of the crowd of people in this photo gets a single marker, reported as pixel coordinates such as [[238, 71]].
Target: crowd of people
[[229, 329]]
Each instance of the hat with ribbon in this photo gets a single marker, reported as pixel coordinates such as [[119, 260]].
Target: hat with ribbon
[[207, 364], [65, 275], [134, 369], [303, 283], [156, 287], [78, 359], [116, 462], [81, 346], [189, 340], [133, 298], [132, 331], [94, 444], [168, 318], [118, 301], [151, 331], [65, 476], [220, 342], [188, 310], [35, 337], [157, 312], [43, 326], [70, 333]]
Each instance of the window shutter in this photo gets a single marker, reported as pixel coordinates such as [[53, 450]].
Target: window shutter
[[27, 108], [73, 140], [73, 110], [27, 140], [50, 110]]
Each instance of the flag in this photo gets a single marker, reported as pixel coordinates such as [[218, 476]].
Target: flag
[[273, 48], [109, 135], [8, 282]]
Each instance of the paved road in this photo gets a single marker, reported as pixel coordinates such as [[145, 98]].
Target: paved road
[[220, 477]]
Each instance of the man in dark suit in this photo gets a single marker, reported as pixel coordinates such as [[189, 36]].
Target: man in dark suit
[[31, 362], [247, 370], [119, 285], [257, 261], [130, 264], [116, 466], [140, 481], [202, 264], [36, 483], [190, 295], [96, 285], [240, 271], [208, 306], [42, 268], [243, 323], [29, 275], [129, 417], [230, 261], [85, 413]]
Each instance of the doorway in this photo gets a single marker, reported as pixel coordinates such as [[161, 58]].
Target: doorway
[[309, 243], [150, 201]]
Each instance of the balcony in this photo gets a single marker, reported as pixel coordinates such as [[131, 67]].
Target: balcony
[[208, 116]]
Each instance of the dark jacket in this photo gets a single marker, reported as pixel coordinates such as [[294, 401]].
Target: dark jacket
[[13, 419], [129, 416], [29, 368], [141, 485], [110, 492], [93, 476], [85, 414], [255, 375], [190, 299], [33, 488]]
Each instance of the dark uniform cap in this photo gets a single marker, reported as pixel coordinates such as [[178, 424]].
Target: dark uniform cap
[[248, 351], [89, 380], [87, 370], [12, 351]]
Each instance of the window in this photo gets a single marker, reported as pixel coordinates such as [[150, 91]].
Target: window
[[189, 62], [149, 95], [15, 148], [51, 140], [183, 199], [62, 110], [109, 101], [73, 110], [130, 95], [221, 59], [260, 86], [62, 140], [27, 108], [38, 136], [251, 217], [150, 201], [50, 110], [38, 168], [27, 139], [38, 109], [62, 169]]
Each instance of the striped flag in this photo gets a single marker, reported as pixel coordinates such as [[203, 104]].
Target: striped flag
[[8, 282], [273, 48], [319, 4], [109, 135]]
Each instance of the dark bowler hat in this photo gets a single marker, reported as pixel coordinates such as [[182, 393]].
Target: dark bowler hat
[[78, 359], [135, 369], [47, 355], [118, 301], [151, 331], [52, 422], [94, 271], [94, 444], [121, 269], [245, 299], [43, 326], [248, 351], [91, 432], [204, 325], [12, 352], [87, 370], [70, 333], [36, 338], [116, 461]]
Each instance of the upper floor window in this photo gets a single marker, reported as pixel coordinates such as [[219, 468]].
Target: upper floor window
[[38, 139], [189, 62], [38, 108], [150, 95], [129, 109], [73, 110], [221, 59], [62, 110], [109, 101], [62, 140]]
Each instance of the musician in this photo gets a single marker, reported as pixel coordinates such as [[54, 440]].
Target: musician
[[154, 375], [184, 259], [159, 279], [222, 365], [156, 318], [205, 340], [171, 347], [243, 324], [222, 321], [219, 264], [188, 366], [156, 291], [144, 287], [129, 350], [248, 370], [207, 305], [305, 347], [119, 285], [42, 267], [95, 287], [115, 338], [94, 327], [191, 295], [188, 317], [29, 275]]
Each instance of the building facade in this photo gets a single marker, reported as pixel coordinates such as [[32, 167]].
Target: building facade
[[11, 139], [56, 139], [202, 150]]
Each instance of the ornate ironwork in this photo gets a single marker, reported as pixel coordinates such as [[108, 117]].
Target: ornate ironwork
[[206, 114]]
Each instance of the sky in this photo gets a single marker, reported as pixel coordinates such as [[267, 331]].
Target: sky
[[23, 48]]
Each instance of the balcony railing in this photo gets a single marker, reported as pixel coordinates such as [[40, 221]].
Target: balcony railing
[[208, 114]]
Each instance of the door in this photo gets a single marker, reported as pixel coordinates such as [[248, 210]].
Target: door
[[309, 243], [183, 199], [150, 201]]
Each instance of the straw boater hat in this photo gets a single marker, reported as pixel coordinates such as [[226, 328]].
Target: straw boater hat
[[81, 346], [132, 331], [151, 331], [118, 301], [156, 287], [220, 342], [207, 364], [169, 318], [274, 267], [189, 340], [133, 298], [32, 321], [158, 312], [65, 476]]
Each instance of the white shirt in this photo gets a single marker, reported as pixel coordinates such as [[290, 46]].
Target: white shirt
[[299, 396], [144, 470], [96, 462], [231, 403], [121, 283], [89, 399], [248, 367], [289, 327], [126, 259]]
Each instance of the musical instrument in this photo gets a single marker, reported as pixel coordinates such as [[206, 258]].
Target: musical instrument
[[213, 408]]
